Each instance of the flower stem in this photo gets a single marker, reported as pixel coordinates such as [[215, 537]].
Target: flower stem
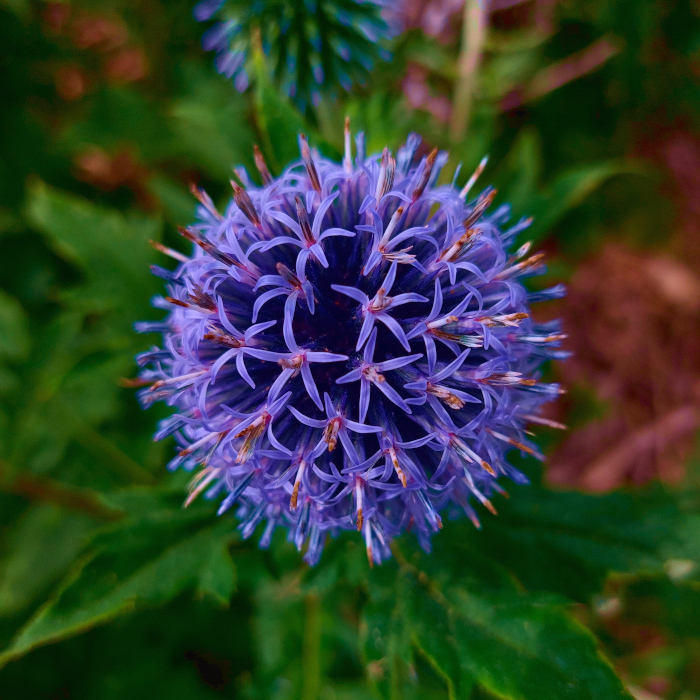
[[474, 23], [311, 662]]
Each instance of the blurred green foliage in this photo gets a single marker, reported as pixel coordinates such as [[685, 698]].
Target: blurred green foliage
[[107, 587]]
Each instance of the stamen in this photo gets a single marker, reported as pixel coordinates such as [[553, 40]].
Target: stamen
[[187, 378], [483, 500], [469, 341], [368, 544], [381, 300], [502, 319], [482, 204], [245, 204], [425, 176], [199, 301], [330, 433], [297, 483], [207, 247], [359, 497], [187, 305], [261, 165], [430, 510], [168, 251], [543, 421], [310, 165], [542, 339], [252, 434], [520, 267], [385, 179], [402, 257], [464, 451], [303, 218], [461, 246], [507, 379], [288, 276], [205, 200], [390, 229], [203, 299], [523, 250], [510, 441], [220, 338], [445, 395], [397, 467], [347, 160], [199, 483], [475, 176], [443, 322], [294, 363], [202, 441]]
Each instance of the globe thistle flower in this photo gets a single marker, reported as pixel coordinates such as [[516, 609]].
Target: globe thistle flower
[[313, 45], [350, 347]]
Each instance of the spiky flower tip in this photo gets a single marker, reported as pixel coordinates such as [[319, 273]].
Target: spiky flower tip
[[349, 346], [311, 44]]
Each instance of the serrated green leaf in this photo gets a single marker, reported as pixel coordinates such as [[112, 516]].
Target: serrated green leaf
[[515, 645], [568, 542], [146, 559]]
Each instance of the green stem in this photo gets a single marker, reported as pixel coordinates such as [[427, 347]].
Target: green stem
[[473, 33], [311, 660], [42, 489]]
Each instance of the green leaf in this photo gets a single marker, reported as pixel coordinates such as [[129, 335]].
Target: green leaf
[[217, 578], [178, 204], [518, 179], [209, 122], [512, 644], [278, 121], [569, 189], [568, 542], [15, 340], [41, 546], [19, 7], [146, 559], [111, 248]]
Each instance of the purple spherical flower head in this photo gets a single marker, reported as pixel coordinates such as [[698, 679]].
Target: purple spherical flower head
[[349, 347]]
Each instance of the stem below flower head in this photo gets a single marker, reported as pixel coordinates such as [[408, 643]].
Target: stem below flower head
[[311, 660], [475, 19]]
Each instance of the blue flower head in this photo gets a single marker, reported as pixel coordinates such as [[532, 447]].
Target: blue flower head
[[312, 44], [350, 347]]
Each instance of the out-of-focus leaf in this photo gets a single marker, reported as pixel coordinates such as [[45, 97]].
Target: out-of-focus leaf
[[568, 542], [121, 116], [518, 178], [111, 249], [147, 558], [569, 189], [278, 121], [511, 644], [42, 545], [217, 578], [19, 7], [209, 122], [15, 340], [178, 203]]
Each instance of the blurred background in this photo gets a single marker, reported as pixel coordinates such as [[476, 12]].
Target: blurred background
[[589, 111]]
